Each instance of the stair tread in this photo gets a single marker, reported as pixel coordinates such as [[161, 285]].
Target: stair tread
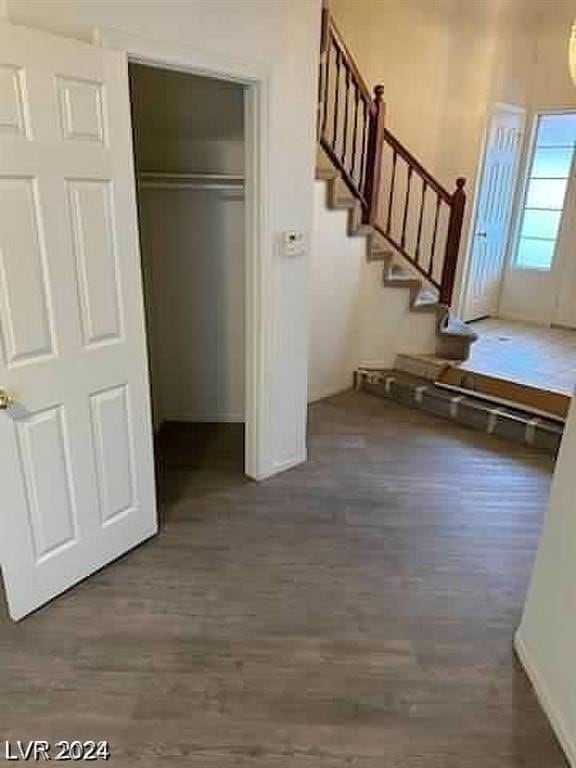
[[374, 255], [325, 174], [401, 278], [427, 366], [343, 202], [363, 229], [426, 299]]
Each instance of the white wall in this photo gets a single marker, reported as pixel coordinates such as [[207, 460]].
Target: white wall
[[192, 243], [433, 60], [336, 266], [282, 36], [387, 325], [187, 123], [546, 639], [193, 248]]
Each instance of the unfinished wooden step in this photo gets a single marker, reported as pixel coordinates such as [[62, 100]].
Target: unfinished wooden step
[[427, 367], [509, 421], [356, 227], [376, 252], [339, 196], [545, 400], [397, 277], [425, 301]]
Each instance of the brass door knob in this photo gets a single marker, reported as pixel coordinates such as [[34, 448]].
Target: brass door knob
[[5, 400]]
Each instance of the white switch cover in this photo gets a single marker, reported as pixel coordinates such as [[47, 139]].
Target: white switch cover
[[292, 243]]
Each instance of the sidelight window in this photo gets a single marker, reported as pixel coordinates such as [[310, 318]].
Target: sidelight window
[[547, 183]]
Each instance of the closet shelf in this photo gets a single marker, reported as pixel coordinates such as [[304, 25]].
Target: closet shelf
[[217, 181]]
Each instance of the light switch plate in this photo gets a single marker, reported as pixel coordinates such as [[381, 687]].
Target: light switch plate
[[292, 243]]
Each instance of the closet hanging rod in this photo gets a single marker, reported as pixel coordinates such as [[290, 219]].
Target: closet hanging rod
[[236, 188], [199, 178]]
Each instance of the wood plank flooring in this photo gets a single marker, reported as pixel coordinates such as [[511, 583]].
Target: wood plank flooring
[[355, 612]]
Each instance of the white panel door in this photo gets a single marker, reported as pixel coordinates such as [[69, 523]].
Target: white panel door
[[76, 461], [493, 212]]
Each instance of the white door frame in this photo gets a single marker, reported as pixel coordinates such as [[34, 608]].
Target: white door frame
[[467, 267], [258, 325]]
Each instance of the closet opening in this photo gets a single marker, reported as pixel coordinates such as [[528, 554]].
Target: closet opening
[[189, 153]]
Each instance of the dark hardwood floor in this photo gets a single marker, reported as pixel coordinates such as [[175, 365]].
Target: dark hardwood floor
[[355, 612]]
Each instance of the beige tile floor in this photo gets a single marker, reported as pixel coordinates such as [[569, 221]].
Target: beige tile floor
[[540, 356]]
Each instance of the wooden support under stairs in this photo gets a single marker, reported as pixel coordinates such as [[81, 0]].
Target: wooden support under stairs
[[497, 389]]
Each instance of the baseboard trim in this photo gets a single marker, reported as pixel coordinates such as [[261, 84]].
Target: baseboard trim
[[339, 391], [564, 326], [545, 699], [294, 461], [519, 318], [280, 466]]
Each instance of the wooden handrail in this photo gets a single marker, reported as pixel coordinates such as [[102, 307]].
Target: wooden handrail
[[352, 132], [416, 165]]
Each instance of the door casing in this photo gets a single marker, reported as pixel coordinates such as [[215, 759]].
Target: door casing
[[467, 267], [255, 77]]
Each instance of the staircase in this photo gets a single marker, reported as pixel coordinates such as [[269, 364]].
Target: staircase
[[453, 337], [412, 227], [411, 223]]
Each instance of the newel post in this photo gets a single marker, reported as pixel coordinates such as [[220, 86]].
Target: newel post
[[374, 155], [453, 243]]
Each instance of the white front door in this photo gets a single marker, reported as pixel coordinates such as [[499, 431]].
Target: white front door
[[493, 212], [76, 460]]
